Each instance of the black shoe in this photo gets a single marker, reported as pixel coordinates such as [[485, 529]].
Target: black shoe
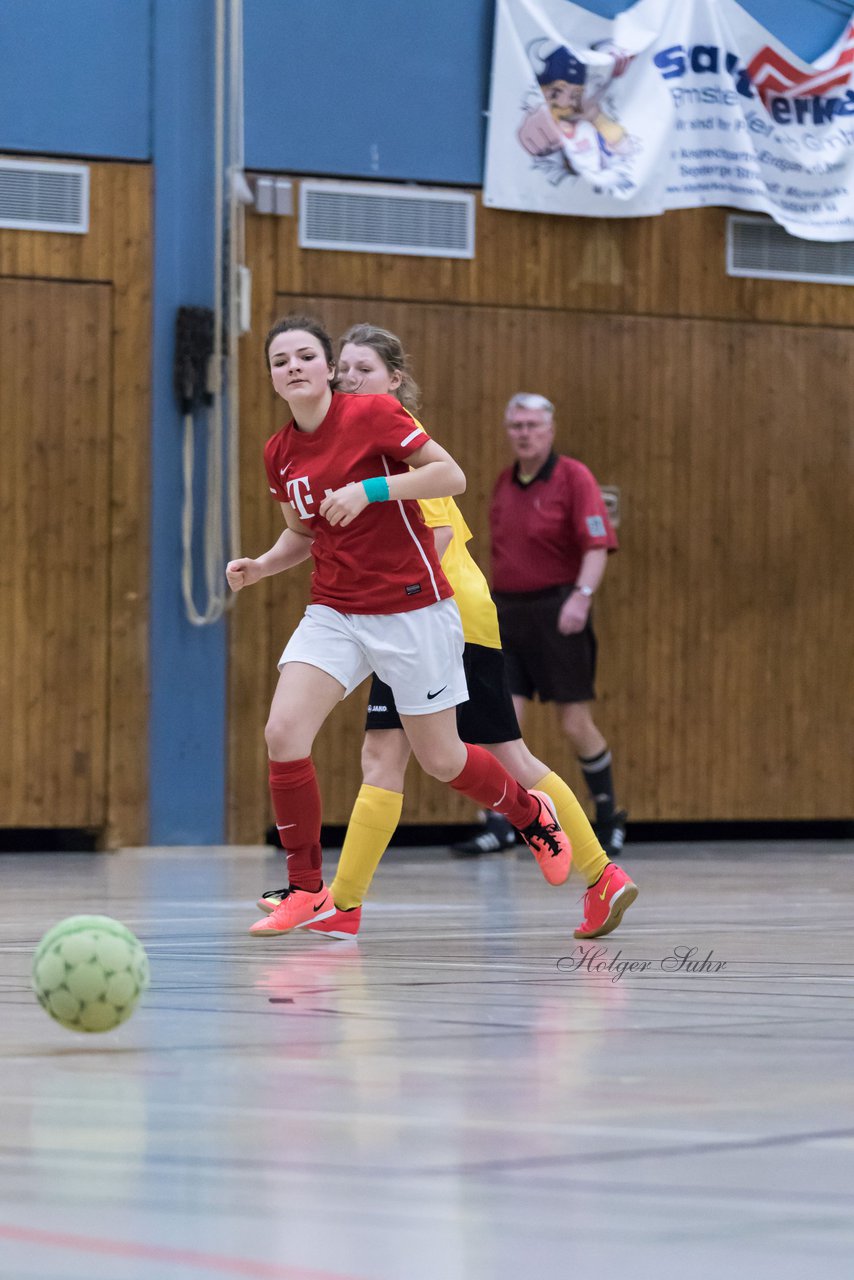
[[611, 833], [497, 834]]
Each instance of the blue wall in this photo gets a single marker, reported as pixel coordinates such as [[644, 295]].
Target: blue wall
[[188, 664], [402, 83], [78, 78], [397, 89], [391, 89], [75, 78]]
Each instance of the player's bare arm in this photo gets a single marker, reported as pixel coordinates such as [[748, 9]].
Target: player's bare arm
[[433, 474], [443, 536], [291, 548]]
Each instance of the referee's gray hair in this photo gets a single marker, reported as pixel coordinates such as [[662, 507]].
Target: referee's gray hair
[[529, 400]]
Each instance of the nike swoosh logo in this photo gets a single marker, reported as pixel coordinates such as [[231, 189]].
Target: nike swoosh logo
[[431, 696], [604, 891], [322, 904], [286, 827]]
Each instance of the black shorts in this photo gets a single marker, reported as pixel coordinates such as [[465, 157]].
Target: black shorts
[[488, 716], [540, 661]]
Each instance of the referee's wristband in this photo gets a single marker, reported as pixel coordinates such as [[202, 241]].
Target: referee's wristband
[[376, 489]]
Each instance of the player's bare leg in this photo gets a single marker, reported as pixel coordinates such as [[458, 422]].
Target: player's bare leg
[[385, 755], [303, 699]]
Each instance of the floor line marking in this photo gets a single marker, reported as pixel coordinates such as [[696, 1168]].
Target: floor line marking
[[161, 1253]]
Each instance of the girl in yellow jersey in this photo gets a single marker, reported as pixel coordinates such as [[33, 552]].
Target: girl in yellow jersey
[[372, 361]]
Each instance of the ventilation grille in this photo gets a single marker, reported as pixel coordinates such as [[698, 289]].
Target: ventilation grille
[[759, 248], [383, 219], [35, 196]]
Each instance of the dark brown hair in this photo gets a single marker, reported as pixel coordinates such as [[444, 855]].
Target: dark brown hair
[[288, 324], [390, 350]]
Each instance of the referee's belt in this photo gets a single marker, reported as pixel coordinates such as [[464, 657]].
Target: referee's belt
[[521, 597]]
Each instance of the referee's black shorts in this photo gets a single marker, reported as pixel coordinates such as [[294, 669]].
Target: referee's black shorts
[[488, 716], [540, 661]]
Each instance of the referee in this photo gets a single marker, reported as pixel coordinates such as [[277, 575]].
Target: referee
[[551, 538]]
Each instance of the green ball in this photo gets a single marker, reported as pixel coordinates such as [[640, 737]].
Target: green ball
[[89, 972]]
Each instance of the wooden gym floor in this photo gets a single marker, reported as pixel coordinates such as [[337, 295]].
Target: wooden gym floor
[[454, 1097]]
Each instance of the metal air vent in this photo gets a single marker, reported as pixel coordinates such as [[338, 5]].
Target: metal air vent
[[760, 248], [370, 218], [37, 196]]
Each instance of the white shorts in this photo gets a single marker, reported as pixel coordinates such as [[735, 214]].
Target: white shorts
[[418, 653]]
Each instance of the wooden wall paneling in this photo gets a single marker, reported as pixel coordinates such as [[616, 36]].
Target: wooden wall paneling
[[56, 414], [117, 252], [15, 375], [704, 425], [807, 510], [830, 451], [251, 674], [130, 229], [672, 265], [84, 469], [742, 548]]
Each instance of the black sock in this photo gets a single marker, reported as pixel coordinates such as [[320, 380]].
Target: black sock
[[497, 820], [600, 782]]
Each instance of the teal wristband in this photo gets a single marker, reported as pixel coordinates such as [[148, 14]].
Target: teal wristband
[[376, 489]]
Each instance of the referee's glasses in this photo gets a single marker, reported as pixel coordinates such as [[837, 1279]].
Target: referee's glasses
[[530, 425]]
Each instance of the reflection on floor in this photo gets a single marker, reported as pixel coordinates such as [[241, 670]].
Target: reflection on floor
[[466, 1093]]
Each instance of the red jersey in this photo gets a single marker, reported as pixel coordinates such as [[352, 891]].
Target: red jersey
[[384, 561], [541, 530]]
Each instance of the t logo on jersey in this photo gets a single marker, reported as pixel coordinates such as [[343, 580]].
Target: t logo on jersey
[[300, 497], [596, 526]]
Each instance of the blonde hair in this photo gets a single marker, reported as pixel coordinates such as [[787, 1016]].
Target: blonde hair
[[390, 350]]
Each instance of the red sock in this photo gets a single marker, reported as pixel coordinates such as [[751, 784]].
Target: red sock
[[485, 780], [296, 804]]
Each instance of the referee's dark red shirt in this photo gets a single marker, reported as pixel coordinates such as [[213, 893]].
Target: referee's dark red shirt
[[541, 530]]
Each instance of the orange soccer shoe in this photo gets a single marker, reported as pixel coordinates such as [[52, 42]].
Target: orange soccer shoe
[[297, 908], [341, 924], [548, 842], [605, 902]]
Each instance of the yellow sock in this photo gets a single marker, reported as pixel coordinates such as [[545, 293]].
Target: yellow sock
[[587, 853], [372, 824]]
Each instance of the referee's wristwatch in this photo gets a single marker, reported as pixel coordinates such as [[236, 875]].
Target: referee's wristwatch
[[584, 591]]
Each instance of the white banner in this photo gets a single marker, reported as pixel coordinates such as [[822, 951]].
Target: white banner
[[671, 105]]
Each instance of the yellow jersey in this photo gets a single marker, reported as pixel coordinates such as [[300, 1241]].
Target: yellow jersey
[[471, 590]]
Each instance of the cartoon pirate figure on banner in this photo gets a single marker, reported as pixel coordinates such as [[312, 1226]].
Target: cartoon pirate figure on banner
[[574, 131]]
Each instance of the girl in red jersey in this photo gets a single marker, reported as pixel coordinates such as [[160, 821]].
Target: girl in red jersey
[[348, 471], [372, 361]]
